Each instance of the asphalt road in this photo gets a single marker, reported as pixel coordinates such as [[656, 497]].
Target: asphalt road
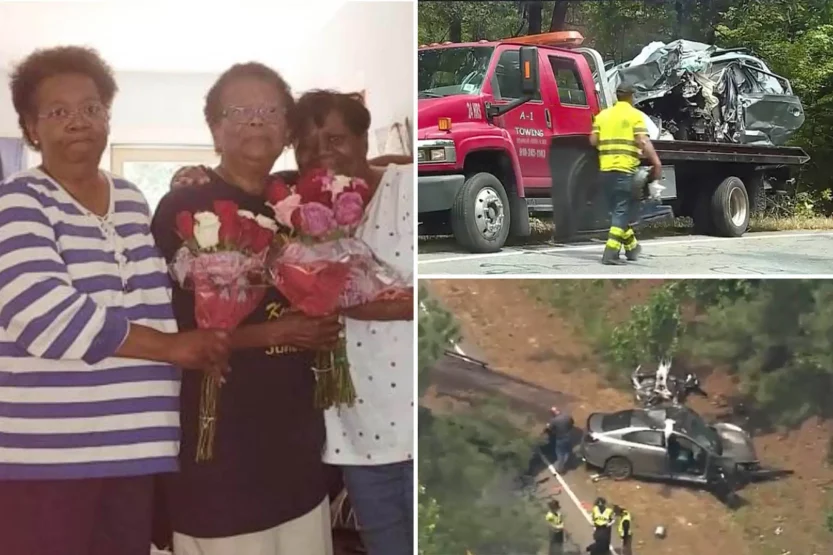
[[765, 254]]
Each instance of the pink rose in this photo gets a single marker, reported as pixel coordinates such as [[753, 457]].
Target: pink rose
[[349, 209], [316, 219], [284, 209]]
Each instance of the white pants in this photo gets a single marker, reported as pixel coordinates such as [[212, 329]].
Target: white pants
[[310, 534]]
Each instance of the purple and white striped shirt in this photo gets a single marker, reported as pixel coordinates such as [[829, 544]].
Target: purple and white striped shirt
[[70, 284]]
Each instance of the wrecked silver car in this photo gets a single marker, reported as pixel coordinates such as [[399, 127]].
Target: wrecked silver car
[[674, 444], [698, 92]]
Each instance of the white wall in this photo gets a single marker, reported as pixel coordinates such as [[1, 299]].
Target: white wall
[[369, 46], [365, 46]]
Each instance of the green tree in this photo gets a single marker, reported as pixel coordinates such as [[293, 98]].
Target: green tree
[[468, 462], [436, 331], [795, 37], [777, 342]]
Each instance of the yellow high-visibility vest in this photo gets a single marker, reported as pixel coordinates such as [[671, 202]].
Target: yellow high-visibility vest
[[626, 516], [602, 518], [617, 128], [556, 520]]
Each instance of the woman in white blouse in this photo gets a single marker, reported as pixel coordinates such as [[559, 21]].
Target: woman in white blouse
[[372, 441]]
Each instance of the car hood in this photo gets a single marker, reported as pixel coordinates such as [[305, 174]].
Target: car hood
[[737, 443]]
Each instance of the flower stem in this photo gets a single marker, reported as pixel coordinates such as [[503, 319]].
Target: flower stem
[[208, 419], [334, 385]]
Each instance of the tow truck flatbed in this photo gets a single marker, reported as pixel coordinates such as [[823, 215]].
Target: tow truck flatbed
[[695, 151]]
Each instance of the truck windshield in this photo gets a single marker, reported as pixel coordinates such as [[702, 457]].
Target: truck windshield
[[449, 71]]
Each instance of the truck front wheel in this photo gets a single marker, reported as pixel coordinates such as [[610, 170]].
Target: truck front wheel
[[730, 208], [480, 215]]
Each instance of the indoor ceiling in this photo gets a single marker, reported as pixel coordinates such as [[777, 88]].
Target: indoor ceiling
[[174, 36]]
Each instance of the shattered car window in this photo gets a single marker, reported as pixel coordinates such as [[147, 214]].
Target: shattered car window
[[698, 92]]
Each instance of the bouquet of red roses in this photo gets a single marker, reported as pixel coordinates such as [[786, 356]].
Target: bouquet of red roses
[[325, 267], [222, 259]]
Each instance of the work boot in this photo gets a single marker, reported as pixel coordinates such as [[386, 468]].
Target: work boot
[[633, 254], [610, 256]]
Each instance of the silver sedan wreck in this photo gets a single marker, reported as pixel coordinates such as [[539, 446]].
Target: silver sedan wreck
[[672, 444]]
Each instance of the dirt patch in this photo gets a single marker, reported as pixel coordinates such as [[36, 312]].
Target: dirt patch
[[535, 342]]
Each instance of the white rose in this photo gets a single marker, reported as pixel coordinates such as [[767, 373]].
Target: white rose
[[266, 222], [339, 183], [207, 229], [246, 214]]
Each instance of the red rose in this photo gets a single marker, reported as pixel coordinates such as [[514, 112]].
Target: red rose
[[296, 219], [359, 185], [311, 187], [230, 229], [185, 225], [277, 190], [248, 232], [263, 238], [225, 208]]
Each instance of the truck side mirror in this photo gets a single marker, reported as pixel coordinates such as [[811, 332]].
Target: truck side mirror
[[529, 70]]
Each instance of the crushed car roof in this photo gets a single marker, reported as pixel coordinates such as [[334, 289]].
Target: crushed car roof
[[698, 91]]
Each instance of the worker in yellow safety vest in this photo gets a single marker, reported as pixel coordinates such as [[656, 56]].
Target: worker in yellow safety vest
[[625, 528], [556, 522], [620, 135], [602, 516]]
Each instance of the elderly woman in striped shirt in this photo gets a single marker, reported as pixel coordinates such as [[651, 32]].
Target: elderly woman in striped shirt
[[89, 349]]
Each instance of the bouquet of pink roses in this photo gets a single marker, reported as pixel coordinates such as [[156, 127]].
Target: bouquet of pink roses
[[325, 267], [222, 259]]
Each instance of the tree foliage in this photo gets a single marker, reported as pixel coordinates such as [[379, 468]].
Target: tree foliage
[[777, 341], [794, 37], [774, 335], [467, 464]]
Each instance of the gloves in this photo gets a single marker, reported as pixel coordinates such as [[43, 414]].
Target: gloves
[[655, 190]]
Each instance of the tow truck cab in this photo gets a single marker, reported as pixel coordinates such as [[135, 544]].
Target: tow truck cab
[[503, 130], [489, 114]]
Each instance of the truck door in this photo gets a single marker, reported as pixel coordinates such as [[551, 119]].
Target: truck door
[[571, 98], [526, 124]]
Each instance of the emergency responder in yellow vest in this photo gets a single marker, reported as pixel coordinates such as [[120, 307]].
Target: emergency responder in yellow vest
[[619, 133], [602, 517], [625, 528], [556, 522]]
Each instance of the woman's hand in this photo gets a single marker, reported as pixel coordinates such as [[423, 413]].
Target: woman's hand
[[400, 308], [190, 175], [206, 350], [292, 328]]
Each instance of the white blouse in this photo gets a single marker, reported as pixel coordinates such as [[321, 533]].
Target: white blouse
[[379, 428]]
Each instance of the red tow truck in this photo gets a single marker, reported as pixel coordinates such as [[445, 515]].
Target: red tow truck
[[503, 133]]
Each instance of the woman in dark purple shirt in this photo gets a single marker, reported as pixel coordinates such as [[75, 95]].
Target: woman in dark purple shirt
[[264, 490]]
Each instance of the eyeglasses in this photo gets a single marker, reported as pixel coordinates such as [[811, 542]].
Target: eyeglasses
[[90, 111], [246, 114]]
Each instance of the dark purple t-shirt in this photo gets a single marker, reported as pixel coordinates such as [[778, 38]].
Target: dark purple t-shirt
[[267, 467]]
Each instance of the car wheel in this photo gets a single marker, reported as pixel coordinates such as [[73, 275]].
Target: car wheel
[[618, 468]]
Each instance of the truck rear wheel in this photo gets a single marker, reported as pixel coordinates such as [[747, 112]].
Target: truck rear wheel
[[730, 208], [480, 215]]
